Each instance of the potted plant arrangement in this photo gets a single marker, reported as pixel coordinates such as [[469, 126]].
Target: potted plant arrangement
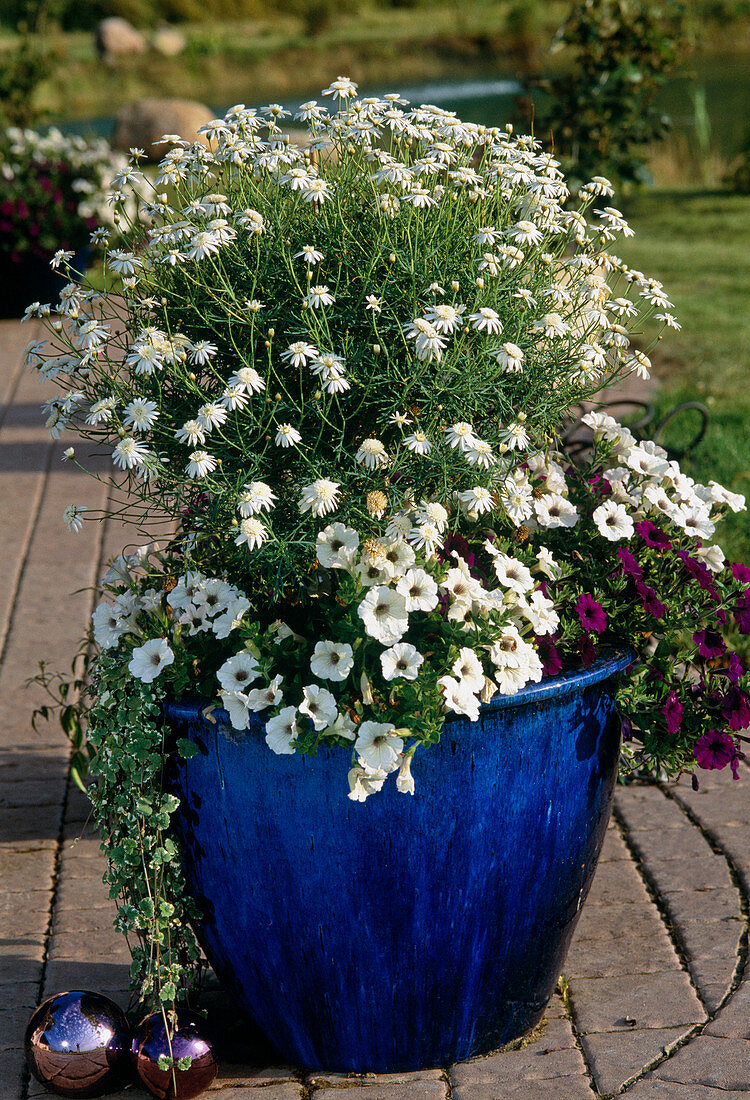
[[54, 191], [356, 722]]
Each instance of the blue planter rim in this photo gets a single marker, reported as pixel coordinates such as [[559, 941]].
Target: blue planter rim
[[552, 687]]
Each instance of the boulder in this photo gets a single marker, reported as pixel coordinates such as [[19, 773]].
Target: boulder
[[115, 37], [141, 124], [168, 41]]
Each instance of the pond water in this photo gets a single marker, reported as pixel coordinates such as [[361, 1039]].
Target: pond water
[[722, 85]]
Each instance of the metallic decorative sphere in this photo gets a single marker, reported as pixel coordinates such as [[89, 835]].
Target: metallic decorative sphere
[[77, 1044], [187, 1041]]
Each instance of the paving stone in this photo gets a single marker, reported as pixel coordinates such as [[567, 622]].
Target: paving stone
[[671, 875], [718, 939], [667, 844], [733, 1020], [562, 1088], [419, 1089], [614, 847], [645, 807], [235, 1075], [77, 894], [109, 978], [653, 1000], [617, 923], [712, 972], [106, 945], [616, 1056], [553, 1055], [617, 883], [21, 967], [13, 1023], [719, 1063], [339, 1080], [702, 905], [83, 920], [634, 955], [262, 1092], [32, 793], [651, 1089], [16, 823]]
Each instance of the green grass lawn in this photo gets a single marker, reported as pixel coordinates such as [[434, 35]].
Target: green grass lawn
[[698, 245]]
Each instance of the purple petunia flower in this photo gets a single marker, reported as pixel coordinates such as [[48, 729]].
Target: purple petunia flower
[[710, 643], [672, 711], [549, 655], [741, 612], [735, 708], [586, 650], [735, 670], [652, 535], [714, 750], [741, 572], [651, 601], [631, 567], [700, 573], [591, 614]]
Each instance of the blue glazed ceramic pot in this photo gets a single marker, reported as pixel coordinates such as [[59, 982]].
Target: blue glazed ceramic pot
[[33, 280], [402, 932]]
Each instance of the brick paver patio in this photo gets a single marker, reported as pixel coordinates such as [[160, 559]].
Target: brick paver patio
[[654, 1001]]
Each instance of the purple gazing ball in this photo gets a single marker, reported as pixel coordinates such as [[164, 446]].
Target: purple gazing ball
[[77, 1044], [188, 1040]]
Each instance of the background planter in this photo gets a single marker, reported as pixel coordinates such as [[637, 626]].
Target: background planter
[[402, 932], [33, 280]]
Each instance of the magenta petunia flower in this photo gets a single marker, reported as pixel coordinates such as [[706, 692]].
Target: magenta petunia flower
[[710, 643], [735, 708], [631, 567], [672, 711], [549, 655], [714, 750], [586, 650], [591, 614], [651, 601], [652, 535], [741, 572]]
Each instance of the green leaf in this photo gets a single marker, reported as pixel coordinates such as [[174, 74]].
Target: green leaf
[[187, 748]]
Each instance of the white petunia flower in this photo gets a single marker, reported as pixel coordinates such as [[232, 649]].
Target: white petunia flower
[[235, 704], [320, 498], [364, 781], [332, 660], [711, 556], [319, 706], [239, 671], [401, 661], [149, 659], [511, 572], [459, 698], [282, 731], [108, 625], [404, 779], [336, 545], [384, 614], [612, 521], [378, 745], [287, 436], [268, 696], [467, 668], [553, 510], [419, 590]]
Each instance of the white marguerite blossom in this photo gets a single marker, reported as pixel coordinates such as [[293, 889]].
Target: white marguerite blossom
[[332, 660], [287, 436], [73, 516], [510, 357], [371, 454], [418, 443], [200, 464], [320, 498], [319, 296], [253, 533], [129, 453], [401, 661], [150, 659], [300, 353], [461, 435], [486, 320], [140, 414], [255, 497]]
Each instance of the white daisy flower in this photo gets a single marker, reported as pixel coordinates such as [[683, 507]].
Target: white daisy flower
[[319, 706], [149, 659], [552, 325], [309, 254], [371, 454], [130, 453], [427, 537], [374, 303], [72, 516], [384, 614], [477, 501], [525, 232], [486, 320], [316, 191], [612, 521], [233, 397], [430, 511], [418, 442], [200, 464], [248, 378], [480, 454], [461, 435], [255, 497], [402, 661], [202, 352], [238, 672], [253, 533], [140, 414], [101, 411], [211, 415], [378, 745], [287, 436], [320, 498], [253, 305], [336, 545], [319, 296], [332, 660], [282, 731], [445, 318], [510, 357], [191, 433], [300, 353]]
